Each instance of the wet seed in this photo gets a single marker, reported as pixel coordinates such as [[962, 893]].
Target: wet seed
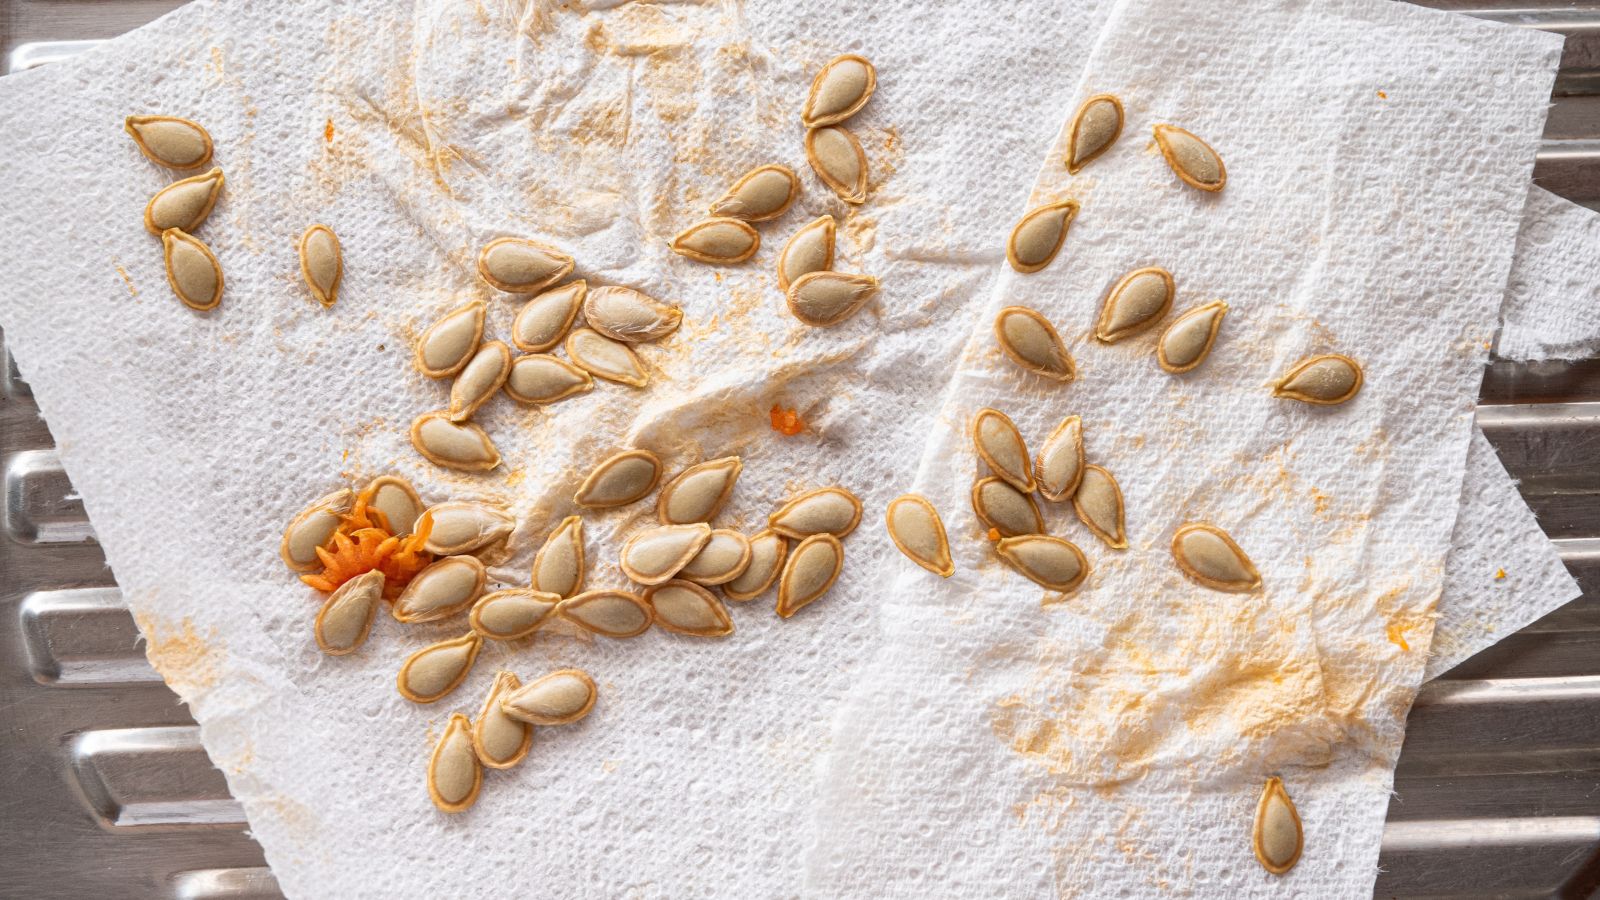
[[1278, 837], [831, 510], [499, 740], [1138, 300], [697, 493], [620, 479], [1098, 502], [724, 558], [811, 570], [479, 380], [839, 91], [1210, 557], [1038, 236], [1324, 380], [1005, 509], [1002, 449], [763, 193], [1059, 467], [438, 669], [558, 566], [192, 270], [655, 554], [721, 241], [542, 378], [346, 617], [321, 263], [828, 298], [768, 550], [613, 614], [183, 204], [1050, 562], [810, 250], [460, 527], [442, 590], [170, 141], [511, 614], [1095, 128], [544, 320], [1191, 159], [687, 608], [448, 344], [454, 775], [312, 528], [397, 500], [560, 698], [1187, 341], [602, 357], [462, 445], [915, 527], [836, 156], [1033, 343], [521, 266]]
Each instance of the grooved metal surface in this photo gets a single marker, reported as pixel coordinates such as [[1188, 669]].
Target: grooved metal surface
[[109, 794]]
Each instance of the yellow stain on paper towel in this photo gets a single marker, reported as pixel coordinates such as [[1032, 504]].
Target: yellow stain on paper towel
[[186, 658]]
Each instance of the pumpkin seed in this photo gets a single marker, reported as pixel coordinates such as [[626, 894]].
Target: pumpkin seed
[[454, 445], [1278, 837], [833, 510], [698, 492], [1187, 341], [720, 241], [1208, 555], [511, 614], [448, 344], [828, 298], [454, 775], [192, 270], [1098, 502], [1049, 562], [443, 589], [346, 616], [762, 193], [724, 557], [460, 527], [613, 614], [1002, 449], [657, 553], [479, 380], [1004, 508], [836, 156], [558, 566], [321, 263], [499, 740], [520, 266], [624, 314], [810, 250], [1191, 158], [812, 568], [915, 527], [183, 204], [312, 528], [1033, 343], [1039, 234], [438, 669], [839, 91], [1095, 127], [602, 357], [1325, 380], [542, 378], [543, 321], [767, 552], [170, 141], [1059, 467], [687, 608], [620, 479], [560, 698], [1138, 300], [397, 500]]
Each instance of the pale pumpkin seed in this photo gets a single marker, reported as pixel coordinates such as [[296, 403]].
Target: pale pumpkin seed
[[448, 344], [438, 669], [687, 608], [558, 566], [521, 266], [1004, 508], [839, 91], [810, 250], [1002, 449], [762, 193], [1059, 467], [511, 614], [170, 141], [183, 204], [620, 479], [192, 270], [1031, 342], [1095, 128], [1191, 158], [1325, 380], [624, 314], [1277, 837], [1138, 300], [767, 552], [1050, 562], [828, 298], [836, 156], [1039, 234], [312, 528], [346, 616], [397, 500], [441, 590], [1208, 555], [542, 378], [724, 557], [321, 263], [720, 241], [1187, 341], [499, 740], [454, 445], [602, 357], [560, 698], [1098, 502], [544, 320], [454, 775], [479, 380], [613, 614], [655, 554], [698, 492], [833, 510], [915, 527], [461, 526], [811, 570]]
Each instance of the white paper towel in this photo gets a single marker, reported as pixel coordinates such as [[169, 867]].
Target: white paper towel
[[1553, 300]]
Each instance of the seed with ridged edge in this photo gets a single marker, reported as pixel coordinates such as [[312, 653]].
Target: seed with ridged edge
[[499, 740], [687, 608], [1138, 300], [1277, 837], [833, 510], [1191, 159], [183, 204], [311, 528], [1049, 562], [192, 270], [839, 91], [1004, 508], [1187, 341], [828, 298], [1095, 128], [454, 774], [560, 698], [1039, 234], [602, 357], [724, 557], [1098, 502], [321, 263], [543, 321], [542, 378], [811, 570], [915, 527], [479, 380], [698, 492], [624, 314], [438, 669], [768, 550], [1000, 446], [762, 193], [810, 250], [454, 445], [461, 526], [1210, 557], [720, 241], [613, 614], [620, 479], [448, 344], [655, 554], [836, 156], [558, 566], [521, 266], [441, 590], [1324, 380], [397, 500], [511, 614], [1030, 341], [346, 616], [170, 141], [1059, 467]]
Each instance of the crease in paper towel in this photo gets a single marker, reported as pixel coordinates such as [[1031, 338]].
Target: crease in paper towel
[[1553, 297]]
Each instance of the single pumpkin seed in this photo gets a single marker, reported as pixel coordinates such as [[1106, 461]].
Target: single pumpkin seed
[[544, 320], [1059, 467], [810, 250], [542, 378], [724, 557], [698, 492], [560, 698], [602, 357], [1278, 837], [454, 445], [811, 570], [499, 740], [346, 616], [558, 566], [833, 510], [1138, 300], [397, 500], [1191, 158], [444, 588], [828, 298], [454, 775], [613, 614], [521, 266], [448, 344], [767, 552], [170, 141], [1187, 341], [839, 91], [1208, 555], [511, 614], [620, 479], [183, 204], [438, 669], [1095, 127], [321, 263], [915, 528], [482, 376], [1031, 342], [192, 270], [624, 314], [1325, 380], [657, 553], [1002, 449], [1050, 562], [686, 608], [461, 526], [721, 241], [1004, 508], [312, 528], [1098, 502], [762, 193], [1039, 234], [836, 156]]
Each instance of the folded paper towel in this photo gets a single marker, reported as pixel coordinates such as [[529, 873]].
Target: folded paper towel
[[1553, 302]]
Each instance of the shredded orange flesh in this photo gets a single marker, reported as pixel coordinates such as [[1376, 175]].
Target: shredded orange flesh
[[994, 534], [364, 542], [786, 422]]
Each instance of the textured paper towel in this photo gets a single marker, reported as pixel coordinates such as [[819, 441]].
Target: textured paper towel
[[1553, 301], [994, 721]]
